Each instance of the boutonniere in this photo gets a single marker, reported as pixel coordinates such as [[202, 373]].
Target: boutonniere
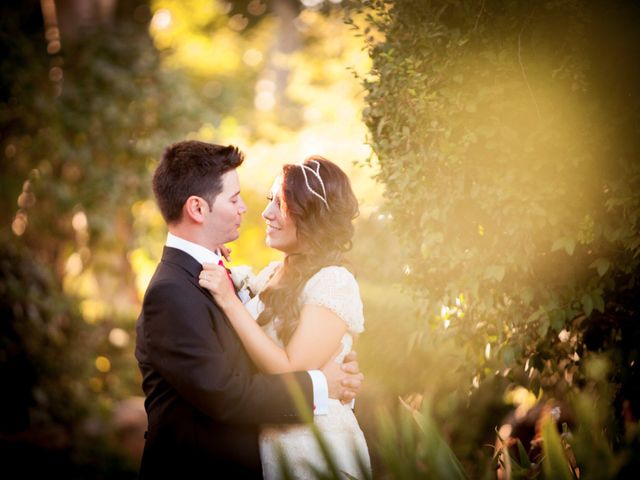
[[245, 282]]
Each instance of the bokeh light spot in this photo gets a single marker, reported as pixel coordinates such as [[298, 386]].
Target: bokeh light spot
[[103, 364]]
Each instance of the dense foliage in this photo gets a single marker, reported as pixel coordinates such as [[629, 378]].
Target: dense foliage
[[506, 136], [51, 416], [81, 129]]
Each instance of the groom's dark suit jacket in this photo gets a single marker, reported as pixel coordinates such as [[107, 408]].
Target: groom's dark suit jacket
[[204, 398]]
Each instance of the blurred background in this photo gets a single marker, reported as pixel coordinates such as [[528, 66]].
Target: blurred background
[[92, 93], [493, 146]]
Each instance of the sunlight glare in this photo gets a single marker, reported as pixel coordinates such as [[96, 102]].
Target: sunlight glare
[[161, 19], [73, 266], [265, 101], [92, 310], [522, 398], [79, 221], [118, 337], [311, 3], [252, 57]]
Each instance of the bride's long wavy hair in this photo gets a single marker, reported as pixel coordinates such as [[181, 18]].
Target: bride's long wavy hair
[[324, 234]]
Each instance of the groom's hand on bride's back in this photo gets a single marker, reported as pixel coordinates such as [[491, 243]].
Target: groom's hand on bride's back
[[343, 379], [353, 382]]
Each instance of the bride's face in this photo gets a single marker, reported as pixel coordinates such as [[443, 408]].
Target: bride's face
[[281, 229]]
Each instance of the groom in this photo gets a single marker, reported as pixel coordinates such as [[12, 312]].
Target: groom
[[205, 400]]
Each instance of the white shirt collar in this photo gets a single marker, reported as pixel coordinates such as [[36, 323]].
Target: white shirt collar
[[200, 253]]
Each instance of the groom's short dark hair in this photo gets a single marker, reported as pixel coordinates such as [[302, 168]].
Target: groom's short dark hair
[[191, 168]]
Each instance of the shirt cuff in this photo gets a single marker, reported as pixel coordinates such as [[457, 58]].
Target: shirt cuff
[[320, 392]]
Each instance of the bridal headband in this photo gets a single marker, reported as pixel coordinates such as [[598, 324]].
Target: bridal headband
[[306, 168]]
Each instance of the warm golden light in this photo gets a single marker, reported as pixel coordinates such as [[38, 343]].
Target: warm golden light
[[161, 19], [92, 310], [522, 399], [252, 57], [118, 337], [19, 224], [79, 221], [238, 22], [73, 265], [103, 364]]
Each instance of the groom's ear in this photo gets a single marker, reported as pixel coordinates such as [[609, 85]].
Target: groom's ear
[[194, 209]]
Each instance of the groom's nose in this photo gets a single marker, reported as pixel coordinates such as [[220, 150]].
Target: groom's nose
[[243, 207]]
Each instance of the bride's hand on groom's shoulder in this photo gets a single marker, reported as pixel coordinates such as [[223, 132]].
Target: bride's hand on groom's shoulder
[[216, 279]]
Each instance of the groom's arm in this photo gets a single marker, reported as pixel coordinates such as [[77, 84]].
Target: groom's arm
[[187, 352]]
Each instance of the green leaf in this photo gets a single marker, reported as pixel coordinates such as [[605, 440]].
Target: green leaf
[[440, 458], [488, 300], [587, 304], [557, 320], [557, 244], [495, 272], [508, 356], [526, 295], [522, 453], [566, 243], [598, 302], [434, 237], [535, 315], [555, 464], [543, 328], [534, 386], [602, 265]]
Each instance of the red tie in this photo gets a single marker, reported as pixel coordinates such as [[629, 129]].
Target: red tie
[[228, 274]]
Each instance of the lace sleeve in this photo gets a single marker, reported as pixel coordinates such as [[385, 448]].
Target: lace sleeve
[[336, 289]]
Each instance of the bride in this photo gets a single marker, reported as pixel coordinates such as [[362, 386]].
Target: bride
[[308, 308]]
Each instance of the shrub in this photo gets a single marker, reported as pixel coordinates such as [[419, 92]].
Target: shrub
[[505, 134]]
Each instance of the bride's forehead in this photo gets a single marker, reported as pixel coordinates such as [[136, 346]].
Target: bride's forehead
[[277, 184]]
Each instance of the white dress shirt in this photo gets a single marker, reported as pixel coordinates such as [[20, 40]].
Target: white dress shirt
[[204, 255]]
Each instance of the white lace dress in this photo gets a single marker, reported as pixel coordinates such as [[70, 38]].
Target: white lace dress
[[336, 289]]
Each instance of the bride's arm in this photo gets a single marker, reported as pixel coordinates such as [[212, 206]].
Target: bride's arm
[[314, 342]]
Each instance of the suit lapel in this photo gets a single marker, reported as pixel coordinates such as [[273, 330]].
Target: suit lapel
[[192, 269], [181, 259], [187, 263]]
